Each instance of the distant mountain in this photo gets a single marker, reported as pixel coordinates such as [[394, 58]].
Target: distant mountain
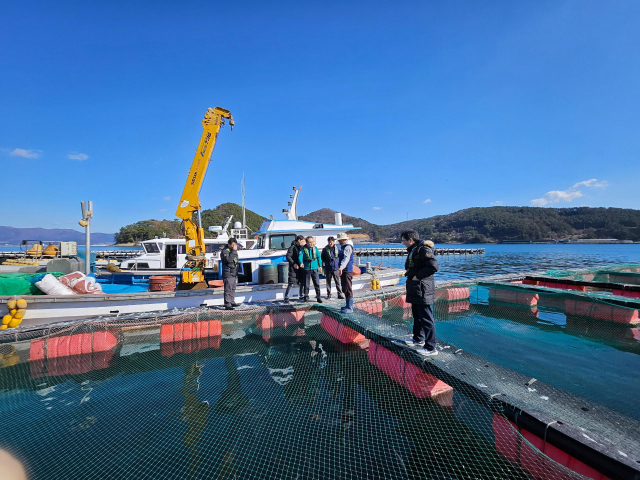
[[493, 224], [146, 229], [13, 236]]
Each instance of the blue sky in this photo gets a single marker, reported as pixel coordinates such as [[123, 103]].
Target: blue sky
[[379, 109]]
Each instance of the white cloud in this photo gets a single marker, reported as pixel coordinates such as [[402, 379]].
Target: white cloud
[[592, 183], [162, 210], [568, 195], [428, 200], [78, 156], [496, 203], [377, 208], [555, 196], [167, 198], [21, 152]]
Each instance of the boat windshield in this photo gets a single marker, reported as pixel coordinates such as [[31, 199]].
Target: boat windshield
[[281, 242], [151, 247]]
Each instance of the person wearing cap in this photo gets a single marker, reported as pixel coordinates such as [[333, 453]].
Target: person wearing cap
[[229, 259], [331, 265], [311, 263], [420, 266], [345, 270]]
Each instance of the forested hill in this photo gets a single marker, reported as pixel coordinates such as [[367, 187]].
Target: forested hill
[[471, 225], [147, 229], [491, 224]]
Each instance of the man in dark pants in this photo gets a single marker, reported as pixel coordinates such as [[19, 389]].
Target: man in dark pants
[[420, 266], [345, 270], [331, 265], [311, 262], [296, 274], [229, 258]]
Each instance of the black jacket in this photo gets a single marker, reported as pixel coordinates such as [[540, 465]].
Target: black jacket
[[421, 264], [229, 258], [293, 255]]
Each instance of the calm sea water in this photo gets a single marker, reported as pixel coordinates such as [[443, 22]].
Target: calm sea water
[[500, 259]]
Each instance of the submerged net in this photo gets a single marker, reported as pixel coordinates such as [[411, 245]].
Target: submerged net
[[269, 391]]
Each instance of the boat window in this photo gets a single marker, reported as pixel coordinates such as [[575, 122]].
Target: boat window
[[182, 249], [260, 242], [214, 247], [281, 242], [151, 247]]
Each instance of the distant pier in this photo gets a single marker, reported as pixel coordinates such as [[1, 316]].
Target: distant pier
[[400, 251]]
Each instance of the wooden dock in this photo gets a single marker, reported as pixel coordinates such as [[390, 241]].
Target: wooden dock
[[401, 251]]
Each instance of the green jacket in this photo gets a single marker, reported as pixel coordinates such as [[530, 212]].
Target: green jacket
[[310, 258]]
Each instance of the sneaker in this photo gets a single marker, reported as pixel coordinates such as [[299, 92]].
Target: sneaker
[[228, 307], [340, 296], [412, 343], [328, 296], [347, 310], [428, 353], [319, 300], [286, 300], [235, 304]]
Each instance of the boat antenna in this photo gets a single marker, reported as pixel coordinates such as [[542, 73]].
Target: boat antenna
[[244, 218]]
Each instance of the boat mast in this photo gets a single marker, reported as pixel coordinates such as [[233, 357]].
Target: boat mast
[[244, 218]]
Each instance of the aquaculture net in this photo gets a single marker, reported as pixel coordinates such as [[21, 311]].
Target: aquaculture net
[[286, 392]]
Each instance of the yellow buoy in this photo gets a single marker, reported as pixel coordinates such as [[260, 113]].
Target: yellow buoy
[[19, 314], [51, 250], [2, 327], [22, 303], [13, 311], [15, 322], [6, 319], [11, 304]]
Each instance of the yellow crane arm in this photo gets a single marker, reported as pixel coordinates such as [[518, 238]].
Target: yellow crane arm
[[190, 200]]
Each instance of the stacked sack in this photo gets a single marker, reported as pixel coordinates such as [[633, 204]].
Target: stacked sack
[[74, 283], [17, 308]]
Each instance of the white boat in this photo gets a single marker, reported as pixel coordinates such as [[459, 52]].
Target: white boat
[[164, 256]]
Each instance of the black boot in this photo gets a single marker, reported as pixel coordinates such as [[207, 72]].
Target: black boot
[[341, 296], [319, 299], [329, 296]]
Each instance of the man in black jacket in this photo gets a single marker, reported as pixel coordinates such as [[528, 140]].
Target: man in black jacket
[[420, 267], [229, 258], [296, 274], [331, 265]]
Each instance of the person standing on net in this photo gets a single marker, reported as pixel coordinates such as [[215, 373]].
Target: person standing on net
[[311, 263], [331, 265], [229, 258], [345, 270], [420, 266], [296, 274]]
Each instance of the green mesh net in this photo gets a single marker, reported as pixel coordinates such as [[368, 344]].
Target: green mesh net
[[530, 382]]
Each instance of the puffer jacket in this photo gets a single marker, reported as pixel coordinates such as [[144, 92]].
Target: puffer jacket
[[421, 264], [292, 259], [229, 258]]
